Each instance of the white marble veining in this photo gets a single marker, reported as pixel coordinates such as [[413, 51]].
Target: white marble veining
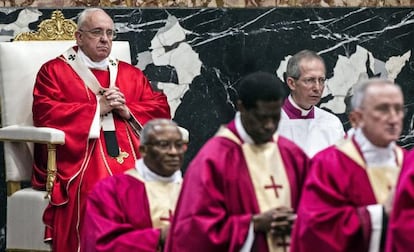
[[169, 48], [25, 17]]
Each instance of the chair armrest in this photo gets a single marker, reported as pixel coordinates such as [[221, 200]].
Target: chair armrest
[[26, 133], [49, 136]]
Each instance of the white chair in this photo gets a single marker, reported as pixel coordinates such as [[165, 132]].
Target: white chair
[[19, 63]]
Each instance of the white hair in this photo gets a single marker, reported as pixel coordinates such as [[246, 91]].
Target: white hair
[[85, 13], [360, 90]]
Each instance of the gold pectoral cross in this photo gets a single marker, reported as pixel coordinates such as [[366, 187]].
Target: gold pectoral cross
[[122, 155]]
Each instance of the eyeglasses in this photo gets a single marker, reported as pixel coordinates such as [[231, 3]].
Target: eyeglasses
[[312, 80], [389, 109], [98, 33], [167, 145]]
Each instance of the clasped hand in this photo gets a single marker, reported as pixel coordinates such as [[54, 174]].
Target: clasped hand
[[277, 221], [113, 99]]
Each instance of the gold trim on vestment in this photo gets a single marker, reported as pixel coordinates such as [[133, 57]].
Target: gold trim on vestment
[[162, 199], [382, 179]]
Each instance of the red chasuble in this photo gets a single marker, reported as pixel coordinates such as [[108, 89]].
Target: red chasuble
[[218, 199], [333, 213], [63, 101], [401, 223], [120, 216]]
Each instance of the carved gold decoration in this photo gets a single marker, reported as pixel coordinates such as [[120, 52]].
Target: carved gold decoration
[[55, 28], [51, 169]]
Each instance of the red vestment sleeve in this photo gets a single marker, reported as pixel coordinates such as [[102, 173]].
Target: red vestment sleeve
[[401, 223], [117, 218], [332, 213], [62, 101]]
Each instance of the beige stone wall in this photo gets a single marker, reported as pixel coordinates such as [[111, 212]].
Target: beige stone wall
[[204, 3]]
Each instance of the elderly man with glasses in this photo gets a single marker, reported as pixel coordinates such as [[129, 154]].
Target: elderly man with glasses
[[99, 102], [347, 197], [308, 126], [132, 211]]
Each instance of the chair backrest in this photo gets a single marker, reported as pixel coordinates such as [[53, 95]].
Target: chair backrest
[[19, 64]]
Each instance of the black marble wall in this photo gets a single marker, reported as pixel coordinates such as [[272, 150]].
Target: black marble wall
[[197, 56]]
